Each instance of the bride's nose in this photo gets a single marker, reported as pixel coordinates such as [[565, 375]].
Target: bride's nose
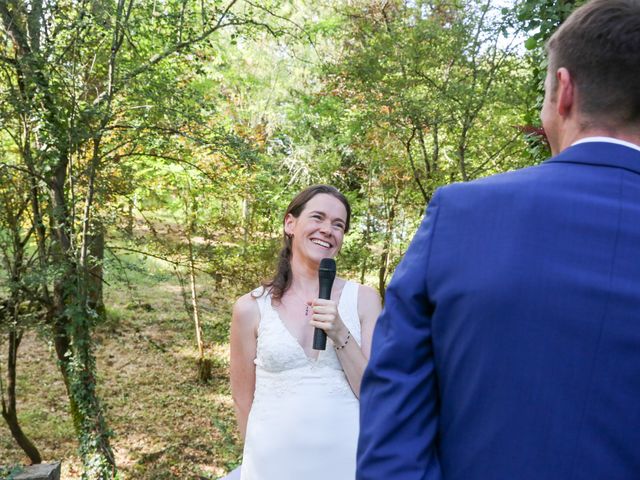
[[325, 228]]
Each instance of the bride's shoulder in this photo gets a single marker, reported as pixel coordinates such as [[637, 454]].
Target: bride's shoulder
[[246, 309], [363, 290], [367, 293], [368, 299]]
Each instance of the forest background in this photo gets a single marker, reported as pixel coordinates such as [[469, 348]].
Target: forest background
[[148, 149]]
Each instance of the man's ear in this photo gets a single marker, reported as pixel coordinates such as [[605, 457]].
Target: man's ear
[[566, 94], [289, 224]]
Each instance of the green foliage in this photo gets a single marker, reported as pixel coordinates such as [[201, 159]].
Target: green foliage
[[88, 92], [540, 18], [409, 96]]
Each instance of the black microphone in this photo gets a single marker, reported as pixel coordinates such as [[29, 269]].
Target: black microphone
[[326, 275]]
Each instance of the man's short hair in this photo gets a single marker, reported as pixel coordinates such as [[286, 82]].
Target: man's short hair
[[600, 46]]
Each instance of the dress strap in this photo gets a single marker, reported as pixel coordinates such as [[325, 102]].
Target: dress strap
[[263, 299], [349, 305], [350, 296]]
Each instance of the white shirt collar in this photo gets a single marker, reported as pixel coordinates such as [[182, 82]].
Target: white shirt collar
[[607, 140]]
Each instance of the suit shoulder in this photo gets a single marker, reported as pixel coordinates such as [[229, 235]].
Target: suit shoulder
[[504, 178], [498, 186]]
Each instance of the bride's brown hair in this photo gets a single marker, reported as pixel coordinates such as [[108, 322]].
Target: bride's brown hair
[[281, 281]]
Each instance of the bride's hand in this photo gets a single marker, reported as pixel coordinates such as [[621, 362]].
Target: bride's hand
[[326, 317]]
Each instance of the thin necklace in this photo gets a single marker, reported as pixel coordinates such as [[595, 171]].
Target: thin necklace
[[306, 305]]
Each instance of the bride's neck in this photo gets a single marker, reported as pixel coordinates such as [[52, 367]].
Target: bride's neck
[[304, 278]]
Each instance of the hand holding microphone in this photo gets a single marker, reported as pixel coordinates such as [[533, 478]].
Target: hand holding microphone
[[326, 275]]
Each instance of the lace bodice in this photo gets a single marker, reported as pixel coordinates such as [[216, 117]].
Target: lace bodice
[[281, 358]]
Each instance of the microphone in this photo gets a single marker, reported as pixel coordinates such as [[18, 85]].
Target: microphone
[[326, 275]]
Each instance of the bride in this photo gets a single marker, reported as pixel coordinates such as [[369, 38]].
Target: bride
[[297, 408]]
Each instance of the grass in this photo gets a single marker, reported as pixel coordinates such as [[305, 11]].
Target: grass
[[165, 424]]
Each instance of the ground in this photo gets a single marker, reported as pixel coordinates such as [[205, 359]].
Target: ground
[[165, 424]]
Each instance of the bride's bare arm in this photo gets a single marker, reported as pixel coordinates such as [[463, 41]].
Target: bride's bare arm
[[369, 308], [244, 327], [353, 357]]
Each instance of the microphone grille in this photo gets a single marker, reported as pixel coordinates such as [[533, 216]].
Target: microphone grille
[[328, 266]]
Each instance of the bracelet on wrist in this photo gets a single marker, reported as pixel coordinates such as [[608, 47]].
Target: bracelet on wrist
[[345, 342]]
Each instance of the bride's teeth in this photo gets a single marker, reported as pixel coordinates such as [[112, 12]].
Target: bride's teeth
[[321, 243]]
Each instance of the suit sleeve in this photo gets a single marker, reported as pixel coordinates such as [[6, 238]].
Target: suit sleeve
[[399, 393]]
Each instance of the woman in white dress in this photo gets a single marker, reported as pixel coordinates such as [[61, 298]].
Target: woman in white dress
[[297, 408]]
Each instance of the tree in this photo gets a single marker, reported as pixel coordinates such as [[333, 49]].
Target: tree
[[413, 95], [539, 18], [78, 82], [15, 311]]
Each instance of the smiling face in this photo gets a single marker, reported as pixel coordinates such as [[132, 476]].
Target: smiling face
[[319, 229]]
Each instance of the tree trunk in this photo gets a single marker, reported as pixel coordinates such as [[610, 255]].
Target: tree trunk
[[130, 217], [73, 327], [10, 310], [366, 238], [95, 270], [246, 222], [9, 412], [77, 365], [386, 248], [204, 364]]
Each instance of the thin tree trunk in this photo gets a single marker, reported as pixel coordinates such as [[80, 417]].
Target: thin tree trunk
[[246, 217], [462, 149], [416, 175], [386, 248], [10, 310], [204, 365], [129, 217], [194, 302], [366, 238], [9, 411], [94, 266]]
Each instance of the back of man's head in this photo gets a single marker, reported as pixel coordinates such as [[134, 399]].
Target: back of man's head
[[599, 44]]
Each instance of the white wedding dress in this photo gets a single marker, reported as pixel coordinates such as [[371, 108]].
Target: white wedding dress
[[303, 423]]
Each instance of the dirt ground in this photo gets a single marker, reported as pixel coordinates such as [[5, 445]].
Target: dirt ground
[[165, 424]]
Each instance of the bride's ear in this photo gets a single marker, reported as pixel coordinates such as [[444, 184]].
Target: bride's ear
[[289, 224]]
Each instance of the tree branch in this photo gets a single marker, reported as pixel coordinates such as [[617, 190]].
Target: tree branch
[[407, 146], [24, 170], [10, 61], [173, 49], [173, 159], [12, 27]]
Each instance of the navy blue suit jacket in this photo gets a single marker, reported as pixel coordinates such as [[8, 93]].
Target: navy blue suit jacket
[[509, 345]]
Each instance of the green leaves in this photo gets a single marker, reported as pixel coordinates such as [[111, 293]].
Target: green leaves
[[531, 43], [540, 18]]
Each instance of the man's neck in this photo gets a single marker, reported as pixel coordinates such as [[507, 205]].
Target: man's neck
[[573, 136]]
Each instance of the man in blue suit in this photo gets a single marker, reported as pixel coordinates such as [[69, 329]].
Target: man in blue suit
[[509, 346]]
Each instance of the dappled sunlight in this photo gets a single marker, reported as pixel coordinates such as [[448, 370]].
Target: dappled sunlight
[[71, 467], [219, 353], [162, 419]]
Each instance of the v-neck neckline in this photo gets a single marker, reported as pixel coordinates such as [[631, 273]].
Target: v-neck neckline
[[292, 336]]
